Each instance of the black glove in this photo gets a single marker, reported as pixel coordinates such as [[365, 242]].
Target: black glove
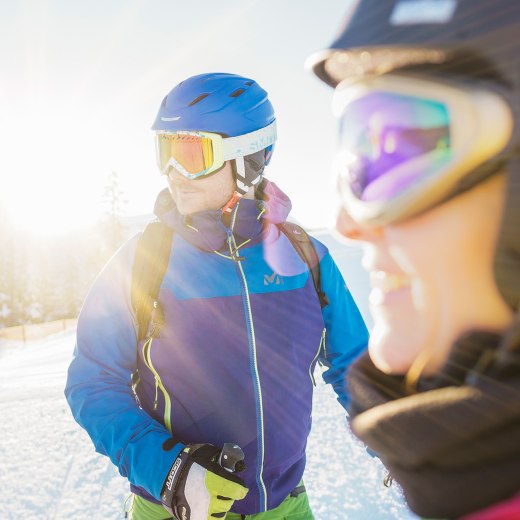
[[198, 488]]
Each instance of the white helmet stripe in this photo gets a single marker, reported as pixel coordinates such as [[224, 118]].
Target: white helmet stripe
[[234, 147]]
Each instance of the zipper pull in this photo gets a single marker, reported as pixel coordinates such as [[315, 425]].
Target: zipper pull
[[233, 250], [156, 401], [230, 242]]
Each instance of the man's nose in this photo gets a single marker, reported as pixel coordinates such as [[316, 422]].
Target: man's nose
[[349, 228], [176, 177], [174, 173]]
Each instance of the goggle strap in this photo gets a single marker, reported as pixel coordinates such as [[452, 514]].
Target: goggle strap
[[247, 144], [242, 187], [485, 170]]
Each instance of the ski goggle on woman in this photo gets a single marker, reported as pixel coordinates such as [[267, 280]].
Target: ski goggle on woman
[[405, 143], [195, 154]]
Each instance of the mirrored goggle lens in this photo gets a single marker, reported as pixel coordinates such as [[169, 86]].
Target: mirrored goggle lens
[[389, 142], [193, 153]]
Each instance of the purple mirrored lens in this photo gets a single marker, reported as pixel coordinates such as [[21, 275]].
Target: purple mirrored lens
[[381, 132]]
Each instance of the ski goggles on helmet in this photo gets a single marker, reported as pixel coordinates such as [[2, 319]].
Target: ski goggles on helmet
[[406, 142], [195, 154]]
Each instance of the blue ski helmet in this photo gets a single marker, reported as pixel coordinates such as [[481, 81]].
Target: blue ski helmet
[[466, 40], [223, 103]]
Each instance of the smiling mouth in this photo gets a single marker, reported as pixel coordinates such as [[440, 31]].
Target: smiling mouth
[[384, 285], [389, 282]]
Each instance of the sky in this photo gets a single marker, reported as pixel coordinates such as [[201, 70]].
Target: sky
[[82, 83]]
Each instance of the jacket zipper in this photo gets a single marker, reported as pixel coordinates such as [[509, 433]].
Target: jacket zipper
[[320, 346], [253, 364], [147, 348]]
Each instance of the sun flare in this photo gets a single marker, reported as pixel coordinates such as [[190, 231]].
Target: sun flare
[[52, 175]]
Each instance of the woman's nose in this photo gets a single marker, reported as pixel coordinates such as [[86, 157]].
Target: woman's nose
[[349, 228]]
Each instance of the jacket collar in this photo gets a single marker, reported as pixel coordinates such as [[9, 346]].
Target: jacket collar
[[462, 423], [206, 230]]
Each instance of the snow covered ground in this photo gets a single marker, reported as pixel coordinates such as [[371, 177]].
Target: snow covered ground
[[49, 469]]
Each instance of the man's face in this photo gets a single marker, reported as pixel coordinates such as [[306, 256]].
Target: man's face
[[204, 193]]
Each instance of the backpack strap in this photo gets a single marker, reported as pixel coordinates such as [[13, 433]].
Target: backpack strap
[[150, 262], [304, 246]]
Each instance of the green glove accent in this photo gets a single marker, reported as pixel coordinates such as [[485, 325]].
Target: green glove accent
[[198, 488]]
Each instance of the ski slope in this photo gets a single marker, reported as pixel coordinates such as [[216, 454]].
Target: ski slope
[[49, 469]]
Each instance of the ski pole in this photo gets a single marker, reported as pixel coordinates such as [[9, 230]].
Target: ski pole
[[232, 457]]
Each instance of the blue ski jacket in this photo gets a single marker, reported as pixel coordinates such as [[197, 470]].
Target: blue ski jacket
[[234, 360]]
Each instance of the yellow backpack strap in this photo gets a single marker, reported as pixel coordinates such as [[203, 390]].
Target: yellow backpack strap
[[150, 262]]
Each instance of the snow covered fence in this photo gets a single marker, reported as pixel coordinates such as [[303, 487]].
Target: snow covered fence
[[23, 333]]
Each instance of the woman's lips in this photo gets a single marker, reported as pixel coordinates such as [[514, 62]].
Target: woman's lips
[[383, 284]]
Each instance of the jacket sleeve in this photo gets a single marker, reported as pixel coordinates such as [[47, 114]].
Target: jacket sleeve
[[98, 387], [346, 333]]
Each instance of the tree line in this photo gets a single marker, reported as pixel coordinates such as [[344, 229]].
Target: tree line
[[47, 278]]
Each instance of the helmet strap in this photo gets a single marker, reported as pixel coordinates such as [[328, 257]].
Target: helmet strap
[[239, 171], [243, 174], [240, 176]]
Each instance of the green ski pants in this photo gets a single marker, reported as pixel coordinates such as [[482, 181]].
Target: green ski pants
[[294, 507]]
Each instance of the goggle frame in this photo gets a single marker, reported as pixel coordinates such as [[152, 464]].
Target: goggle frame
[[472, 143], [223, 148]]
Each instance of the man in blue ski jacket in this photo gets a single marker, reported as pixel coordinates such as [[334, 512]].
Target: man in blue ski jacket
[[241, 326]]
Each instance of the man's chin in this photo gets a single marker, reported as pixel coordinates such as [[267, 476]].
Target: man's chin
[[185, 212], [187, 207]]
